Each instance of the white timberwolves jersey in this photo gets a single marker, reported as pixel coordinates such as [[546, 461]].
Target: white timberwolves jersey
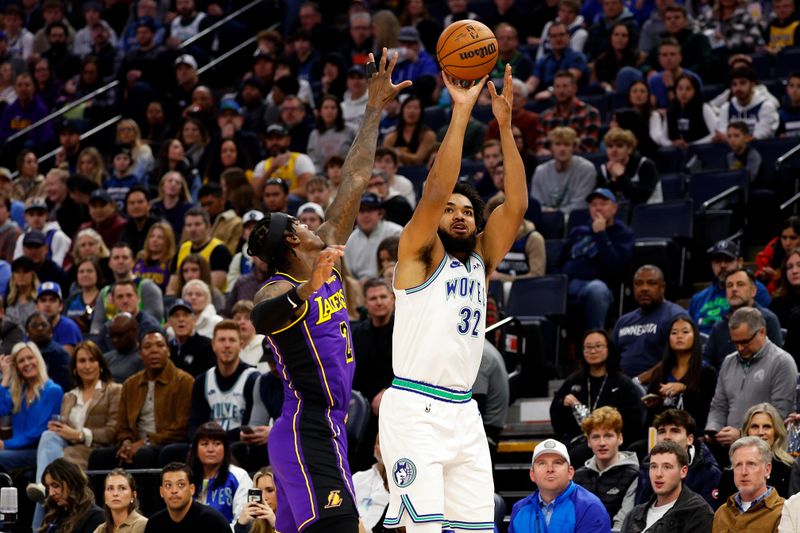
[[227, 407], [439, 325]]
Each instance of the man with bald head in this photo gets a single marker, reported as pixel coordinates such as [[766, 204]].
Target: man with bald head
[[124, 360], [641, 335]]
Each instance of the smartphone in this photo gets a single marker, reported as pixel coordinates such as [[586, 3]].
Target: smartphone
[[247, 430], [254, 495]]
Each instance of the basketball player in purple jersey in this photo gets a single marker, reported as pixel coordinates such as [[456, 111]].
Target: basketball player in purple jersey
[[301, 309]]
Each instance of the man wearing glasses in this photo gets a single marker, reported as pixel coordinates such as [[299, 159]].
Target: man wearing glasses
[[758, 371]]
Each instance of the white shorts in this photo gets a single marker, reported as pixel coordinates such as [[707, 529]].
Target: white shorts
[[437, 462]]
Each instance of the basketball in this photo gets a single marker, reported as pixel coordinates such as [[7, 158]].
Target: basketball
[[467, 50]]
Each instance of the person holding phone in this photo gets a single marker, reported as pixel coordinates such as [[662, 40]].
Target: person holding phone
[[258, 516]]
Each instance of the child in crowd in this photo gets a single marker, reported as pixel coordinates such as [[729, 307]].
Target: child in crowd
[[333, 171], [122, 177], [742, 154]]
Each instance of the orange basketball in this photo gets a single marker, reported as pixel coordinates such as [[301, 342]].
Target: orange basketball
[[467, 50]]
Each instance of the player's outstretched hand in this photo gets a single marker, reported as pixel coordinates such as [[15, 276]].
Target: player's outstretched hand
[[463, 93], [380, 88], [502, 104], [323, 267]]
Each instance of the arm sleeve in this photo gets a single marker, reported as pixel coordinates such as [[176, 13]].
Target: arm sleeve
[[594, 519], [794, 479], [768, 121], [99, 314], [107, 434], [627, 505], [259, 416], [537, 254], [787, 525], [784, 384], [240, 497], [710, 118], [38, 415], [658, 130], [152, 300], [220, 258], [234, 270], [578, 40], [124, 429], [614, 256], [176, 429], [312, 148], [60, 247], [718, 412], [583, 185]]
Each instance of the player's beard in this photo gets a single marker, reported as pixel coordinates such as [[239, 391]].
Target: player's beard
[[458, 244]]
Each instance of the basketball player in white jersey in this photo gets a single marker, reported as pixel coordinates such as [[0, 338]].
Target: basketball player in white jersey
[[432, 438]]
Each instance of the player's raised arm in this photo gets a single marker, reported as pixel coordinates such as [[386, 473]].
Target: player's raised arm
[[503, 224], [357, 168], [419, 234]]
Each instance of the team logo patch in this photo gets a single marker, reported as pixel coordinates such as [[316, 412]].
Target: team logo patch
[[404, 472], [334, 500]]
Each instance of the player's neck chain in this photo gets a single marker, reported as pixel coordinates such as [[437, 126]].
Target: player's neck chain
[[599, 392]]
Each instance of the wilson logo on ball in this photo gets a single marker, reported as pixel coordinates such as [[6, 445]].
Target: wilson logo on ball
[[481, 52]]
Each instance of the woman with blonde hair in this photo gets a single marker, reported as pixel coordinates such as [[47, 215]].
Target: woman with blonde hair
[[763, 420], [90, 164], [198, 295], [21, 299], [88, 244], [121, 503], [88, 418], [153, 261], [31, 398], [173, 200], [259, 517], [128, 134]]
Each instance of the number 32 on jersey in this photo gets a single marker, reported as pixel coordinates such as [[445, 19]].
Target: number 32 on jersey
[[469, 321]]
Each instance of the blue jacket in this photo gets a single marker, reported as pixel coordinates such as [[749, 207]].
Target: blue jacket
[[583, 510], [604, 255], [31, 421], [708, 306]]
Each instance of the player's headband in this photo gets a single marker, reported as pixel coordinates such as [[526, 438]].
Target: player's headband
[[264, 245]]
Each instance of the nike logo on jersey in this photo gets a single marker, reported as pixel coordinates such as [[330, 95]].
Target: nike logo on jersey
[[455, 264]]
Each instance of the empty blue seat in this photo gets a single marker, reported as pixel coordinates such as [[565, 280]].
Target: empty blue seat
[[712, 155], [435, 117]]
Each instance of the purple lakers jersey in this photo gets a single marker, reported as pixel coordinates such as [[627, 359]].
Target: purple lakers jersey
[[314, 353]]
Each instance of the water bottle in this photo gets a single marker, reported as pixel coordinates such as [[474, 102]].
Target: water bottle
[[580, 412]]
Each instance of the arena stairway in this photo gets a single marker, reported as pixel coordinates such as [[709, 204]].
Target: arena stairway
[[528, 424]]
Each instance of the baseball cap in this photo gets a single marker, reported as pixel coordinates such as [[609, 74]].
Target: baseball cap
[[186, 59], [69, 125], [253, 215], [316, 208], [35, 202], [101, 195], [34, 238], [180, 303], [230, 104], [602, 193], [277, 129], [147, 22], [23, 263], [550, 446], [357, 69], [408, 34], [49, 287], [369, 199], [726, 248]]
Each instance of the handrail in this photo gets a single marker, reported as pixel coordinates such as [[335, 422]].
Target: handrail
[[734, 237], [790, 201], [70, 106], [112, 84], [218, 23], [724, 194], [84, 135], [785, 157], [216, 61]]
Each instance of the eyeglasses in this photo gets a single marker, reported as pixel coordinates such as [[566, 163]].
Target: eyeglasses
[[745, 342], [594, 347], [181, 485]]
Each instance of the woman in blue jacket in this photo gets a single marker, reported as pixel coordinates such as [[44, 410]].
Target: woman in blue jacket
[[31, 398]]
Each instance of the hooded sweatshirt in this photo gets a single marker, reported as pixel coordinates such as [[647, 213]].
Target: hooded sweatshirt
[[761, 115], [615, 486]]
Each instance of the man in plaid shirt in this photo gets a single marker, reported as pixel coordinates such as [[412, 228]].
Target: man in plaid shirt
[[571, 112]]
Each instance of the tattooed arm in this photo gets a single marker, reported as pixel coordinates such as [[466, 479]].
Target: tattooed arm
[[357, 168]]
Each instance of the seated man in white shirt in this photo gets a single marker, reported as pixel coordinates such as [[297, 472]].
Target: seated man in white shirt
[[372, 496]]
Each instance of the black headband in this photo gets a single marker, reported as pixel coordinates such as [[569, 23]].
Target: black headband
[[265, 244]]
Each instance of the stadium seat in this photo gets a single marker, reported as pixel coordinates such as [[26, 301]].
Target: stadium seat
[[541, 302], [673, 186], [664, 234], [552, 226], [669, 159], [711, 91], [715, 187], [482, 113], [470, 167], [597, 158], [435, 117], [762, 64], [712, 156], [771, 150], [499, 512], [600, 101], [553, 249], [496, 289], [416, 174], [786, 62]]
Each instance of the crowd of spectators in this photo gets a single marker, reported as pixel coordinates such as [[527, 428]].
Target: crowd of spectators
[[126, 286]]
